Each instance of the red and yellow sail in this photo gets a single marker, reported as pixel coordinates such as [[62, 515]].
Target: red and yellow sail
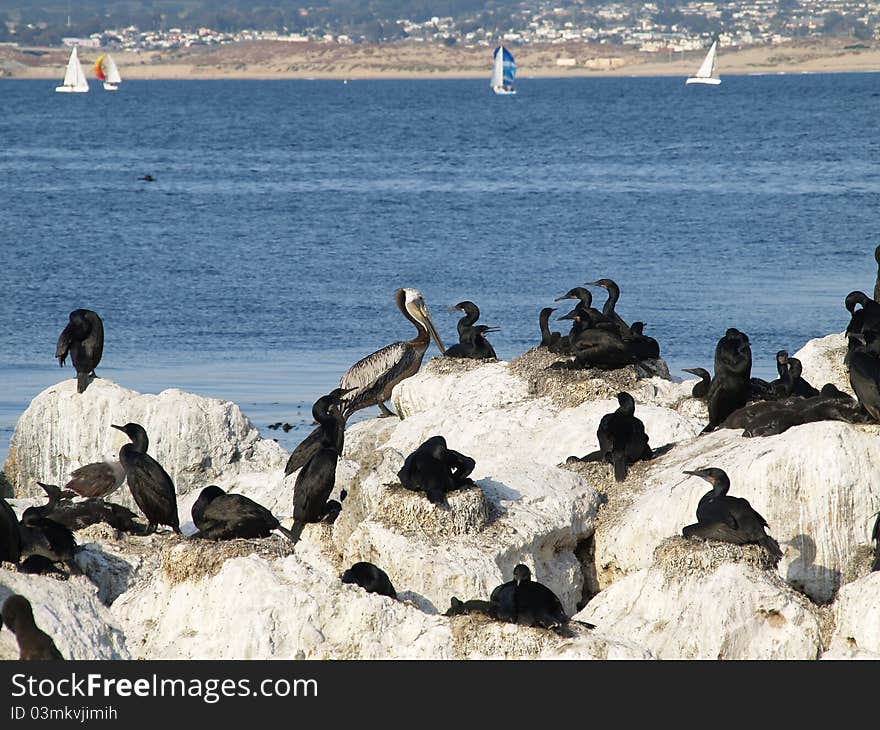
[[99, 68]]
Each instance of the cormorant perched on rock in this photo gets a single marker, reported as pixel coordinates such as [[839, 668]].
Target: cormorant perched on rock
[[471, 315], [592, 316], [45, 542], [80, 514], [731, 386], [700, 389], [33, 643], [771, 417], [524, 601], [97, 480], [83, 339], [150, 485], [549, 339], [799, 386], [316, 479], [622, 437], [728, 519], [595, 347], [222, 516], [864, 371], [640, 345], [462, 608], [10, 535], [474, 345], [371, 578], [830, 390], [608, 309], [435, 470], [866, 318]]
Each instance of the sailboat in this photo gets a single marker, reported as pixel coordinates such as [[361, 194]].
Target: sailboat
[[106, 71], [503, 72], [74, 78], [706, 73]]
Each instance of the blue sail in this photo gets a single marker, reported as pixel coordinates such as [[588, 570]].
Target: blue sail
[[509, 67]]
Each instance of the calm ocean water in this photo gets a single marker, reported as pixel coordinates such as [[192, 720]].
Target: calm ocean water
[[263, 259]]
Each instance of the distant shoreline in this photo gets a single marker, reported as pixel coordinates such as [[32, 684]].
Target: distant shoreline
[[277, 60]]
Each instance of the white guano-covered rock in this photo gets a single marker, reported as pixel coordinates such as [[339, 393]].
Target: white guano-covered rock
[[67, 610], [708, 601], [822, 359], [815, 485], [196, 439], [857, 619]]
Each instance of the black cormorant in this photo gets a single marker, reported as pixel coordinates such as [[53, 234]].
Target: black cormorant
[[371, 578], [436, 470], [728, 519], [83, 339], [622, 437], [222, 516], [150, 485]]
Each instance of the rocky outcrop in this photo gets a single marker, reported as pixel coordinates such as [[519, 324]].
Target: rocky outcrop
[[196, 439], [701, 600], [857, 620]]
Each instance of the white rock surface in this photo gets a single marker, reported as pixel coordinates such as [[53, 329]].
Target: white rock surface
[[69, 611], [196, 439], [857, 619], [815, 485], [822, 359], [699, 601]]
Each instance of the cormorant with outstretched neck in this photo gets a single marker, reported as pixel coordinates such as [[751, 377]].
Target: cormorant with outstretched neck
[[728, 519], [640, 345], [731, 386], [150, 485], [371, 379], [701, 388], [80, 514], [33, 642], [474, 345], [222, 516], [83, 340], [316, 479], [622, 437], [435, 469], [608, 309], [527, 602], [10, 536], [371, 578], [549, 339]]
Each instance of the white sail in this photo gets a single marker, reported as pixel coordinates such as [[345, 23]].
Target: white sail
[[74, 77], [706, 73], [111, 70], [498, 69]]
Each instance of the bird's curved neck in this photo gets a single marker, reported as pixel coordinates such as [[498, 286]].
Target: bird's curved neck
[[613, 296], [423, 337]]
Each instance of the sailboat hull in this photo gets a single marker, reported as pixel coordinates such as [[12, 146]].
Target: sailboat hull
[[110, 87], [70, 90], [501, 91], [700, 80]]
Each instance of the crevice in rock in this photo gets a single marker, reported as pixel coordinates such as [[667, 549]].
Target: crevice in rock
[[585, 552]]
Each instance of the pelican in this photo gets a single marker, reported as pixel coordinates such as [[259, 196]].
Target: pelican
[[370, 380]]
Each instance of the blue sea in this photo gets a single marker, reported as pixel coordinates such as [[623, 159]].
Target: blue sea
[[263, 259]]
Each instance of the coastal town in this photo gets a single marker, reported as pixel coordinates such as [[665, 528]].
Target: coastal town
[[642, 27]]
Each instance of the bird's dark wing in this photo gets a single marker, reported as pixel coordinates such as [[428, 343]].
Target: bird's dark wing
[[152, 488], [313, 486], [63, 346]]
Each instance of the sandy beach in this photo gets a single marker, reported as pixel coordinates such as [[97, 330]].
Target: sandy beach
[[273, 59]]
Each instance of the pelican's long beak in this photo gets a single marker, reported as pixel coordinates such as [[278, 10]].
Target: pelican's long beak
[[429, 325]]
